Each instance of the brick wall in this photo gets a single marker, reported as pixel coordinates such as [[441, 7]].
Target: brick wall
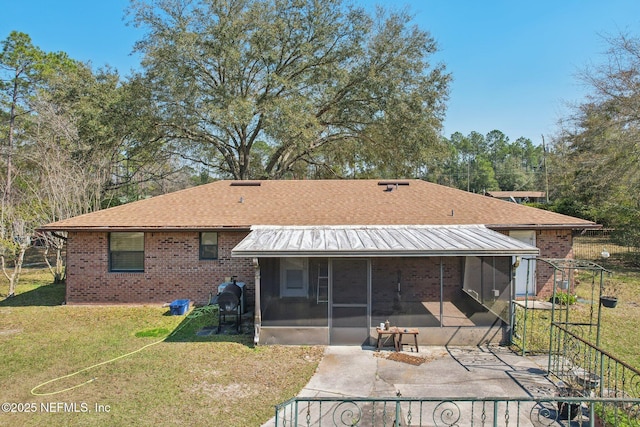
[[552, 244], [419, 278], [172, 270]]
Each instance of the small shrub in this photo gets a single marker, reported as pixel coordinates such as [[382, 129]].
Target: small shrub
[[564, 298], [611, 415]]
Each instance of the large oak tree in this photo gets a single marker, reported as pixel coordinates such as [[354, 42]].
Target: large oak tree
[[271, 88]]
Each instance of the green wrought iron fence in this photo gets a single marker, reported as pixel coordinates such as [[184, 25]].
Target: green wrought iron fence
[[585, 369], [530, 328], [457, 411]]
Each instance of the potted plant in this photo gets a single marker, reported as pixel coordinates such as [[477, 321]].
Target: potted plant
[[609, 301], [568, 410], [608, 298]]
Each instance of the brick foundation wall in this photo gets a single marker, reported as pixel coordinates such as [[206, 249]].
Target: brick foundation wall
[[172, 269]]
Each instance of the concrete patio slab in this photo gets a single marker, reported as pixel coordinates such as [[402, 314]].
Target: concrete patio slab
[[442, 372]]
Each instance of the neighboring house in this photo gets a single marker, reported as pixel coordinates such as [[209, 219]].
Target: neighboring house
[[324, 262], [520, 196]]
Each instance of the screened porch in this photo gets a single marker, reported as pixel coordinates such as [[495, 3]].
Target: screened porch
[[340, 298]]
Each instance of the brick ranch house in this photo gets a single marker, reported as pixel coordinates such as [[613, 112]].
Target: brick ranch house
[[324, 262]]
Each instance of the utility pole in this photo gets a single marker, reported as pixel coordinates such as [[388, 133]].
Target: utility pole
[[468, 171], [546, 174]]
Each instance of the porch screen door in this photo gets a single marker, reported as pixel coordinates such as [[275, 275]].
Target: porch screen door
[[349, 302]]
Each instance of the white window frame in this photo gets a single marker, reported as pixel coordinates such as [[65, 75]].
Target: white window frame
[[289, 266], [126, 252], [207, 245]]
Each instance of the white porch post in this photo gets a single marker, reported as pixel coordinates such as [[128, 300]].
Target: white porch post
[[257, 316], [441, 293]]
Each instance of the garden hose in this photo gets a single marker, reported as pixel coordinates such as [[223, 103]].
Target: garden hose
[[195, 313]]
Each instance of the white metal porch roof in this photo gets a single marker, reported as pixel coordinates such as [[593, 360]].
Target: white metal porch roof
[[378, 241]]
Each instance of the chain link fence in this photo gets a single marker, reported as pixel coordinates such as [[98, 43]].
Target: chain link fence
[[591, 244]]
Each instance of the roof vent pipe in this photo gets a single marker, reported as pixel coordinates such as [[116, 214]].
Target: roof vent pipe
[[245, 184], [394, 183]]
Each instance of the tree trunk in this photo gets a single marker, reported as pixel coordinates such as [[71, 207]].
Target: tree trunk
[[17, 269], [57, 270], [6, 196]]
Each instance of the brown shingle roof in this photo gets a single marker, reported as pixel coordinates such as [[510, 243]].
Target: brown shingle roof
[[241, 204]]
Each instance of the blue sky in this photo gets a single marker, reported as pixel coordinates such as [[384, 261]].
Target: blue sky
[[514, 63]]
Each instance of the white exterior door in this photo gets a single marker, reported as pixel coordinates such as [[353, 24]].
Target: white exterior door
[[525, 283]]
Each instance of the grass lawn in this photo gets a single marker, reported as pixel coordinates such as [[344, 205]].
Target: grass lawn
[[178, 379], [618, 332], [175, 377], [619, 326]]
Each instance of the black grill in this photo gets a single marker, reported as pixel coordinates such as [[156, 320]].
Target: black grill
[[228, 302]]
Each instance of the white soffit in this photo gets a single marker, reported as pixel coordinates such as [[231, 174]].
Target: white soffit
[[382, 241]]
